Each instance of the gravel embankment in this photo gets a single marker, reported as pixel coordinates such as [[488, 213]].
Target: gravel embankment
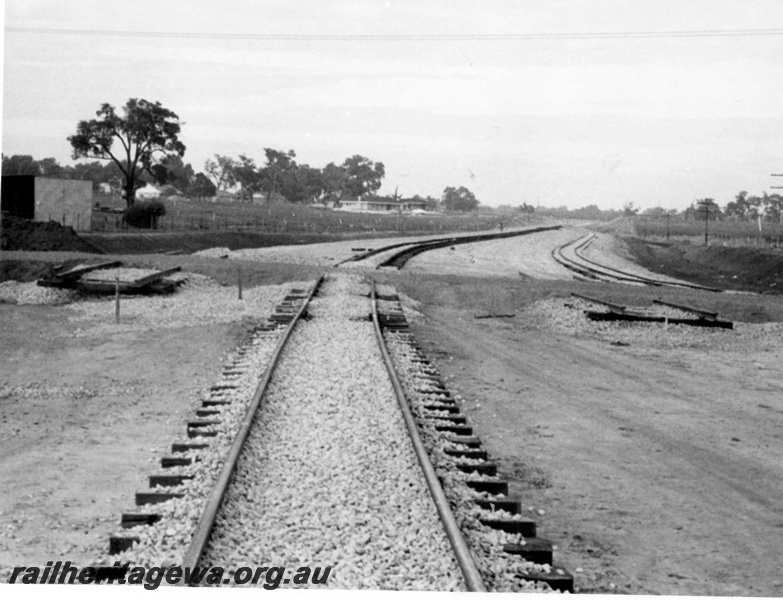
[[328, 476], [199, 301], [566, 316]]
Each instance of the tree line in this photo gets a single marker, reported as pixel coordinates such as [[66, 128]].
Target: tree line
[[744, 208], [141, 145]]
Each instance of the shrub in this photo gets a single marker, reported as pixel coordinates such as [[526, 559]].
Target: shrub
[[145, 214]]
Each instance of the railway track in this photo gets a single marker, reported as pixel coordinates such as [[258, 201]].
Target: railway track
[[406, 250], [350, 457], [571, 256]]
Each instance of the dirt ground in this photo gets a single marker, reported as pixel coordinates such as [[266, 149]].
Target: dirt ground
[[654, 464], [83, 419], [657, 468]]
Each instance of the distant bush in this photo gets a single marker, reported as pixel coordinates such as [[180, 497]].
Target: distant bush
[[145, 214]]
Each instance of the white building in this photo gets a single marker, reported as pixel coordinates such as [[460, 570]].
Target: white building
[[148, 192]]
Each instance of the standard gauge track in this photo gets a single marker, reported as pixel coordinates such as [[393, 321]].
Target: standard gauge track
[[326, 475], [571, 256]]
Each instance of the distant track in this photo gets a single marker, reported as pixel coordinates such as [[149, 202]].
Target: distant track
[[399, 259], [570, 256]]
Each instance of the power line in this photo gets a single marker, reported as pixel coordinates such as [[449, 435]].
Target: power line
[[492, 37]]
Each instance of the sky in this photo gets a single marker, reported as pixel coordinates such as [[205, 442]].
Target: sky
[[549, 102]]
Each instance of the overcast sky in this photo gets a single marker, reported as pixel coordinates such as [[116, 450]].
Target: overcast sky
[[549, 102]]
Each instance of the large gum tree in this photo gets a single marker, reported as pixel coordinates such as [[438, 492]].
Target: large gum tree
[[147, 133]]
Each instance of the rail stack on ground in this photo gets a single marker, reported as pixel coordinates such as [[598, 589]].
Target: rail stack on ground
[[478, 496]]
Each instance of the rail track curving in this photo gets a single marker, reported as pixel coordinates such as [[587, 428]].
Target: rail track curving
[[571, 256], [407, 250], [351, 454]]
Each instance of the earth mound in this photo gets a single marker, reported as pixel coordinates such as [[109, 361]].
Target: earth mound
[[23, 234], [748, 269]]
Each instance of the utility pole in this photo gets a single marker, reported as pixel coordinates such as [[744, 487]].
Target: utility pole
[[668, 219], [777, 187], [706, 206]]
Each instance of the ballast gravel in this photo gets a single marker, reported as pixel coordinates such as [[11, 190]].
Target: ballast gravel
[[328, 477], [499, 570], [567, 316], [164, 543]]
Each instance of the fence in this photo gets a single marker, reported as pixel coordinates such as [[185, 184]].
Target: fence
[[725, 233], [190, 215]]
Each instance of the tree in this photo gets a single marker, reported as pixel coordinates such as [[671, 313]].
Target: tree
[[773, 207], [430, 204], [278, 173], [202, 187], [362, 176], [629, 209], [20, 164], [147, 132], [334, 179], [304, 184], [246, 174], [459, 199], [49, 167], [738, 208], [221, 171], [172, 171]]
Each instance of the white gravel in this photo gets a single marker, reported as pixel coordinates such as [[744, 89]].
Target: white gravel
[[329, 477], [567, 316], [200, 301], [14, 292]]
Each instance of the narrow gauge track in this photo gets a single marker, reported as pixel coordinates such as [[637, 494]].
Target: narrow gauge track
[[408, 250], [322, 472], [325, 477], [571, 256]]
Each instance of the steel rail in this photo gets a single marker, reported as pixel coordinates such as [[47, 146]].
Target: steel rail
[[602, 270], [473, 580], [207, 519], [605, 271], [642, 278], [443, 241], [400, 258], [612, 305], [704, 314]]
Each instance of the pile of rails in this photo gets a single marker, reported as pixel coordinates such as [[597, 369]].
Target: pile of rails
[[682, 315], [111, 277]]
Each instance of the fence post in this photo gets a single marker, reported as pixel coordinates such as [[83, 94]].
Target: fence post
[[117, 299]]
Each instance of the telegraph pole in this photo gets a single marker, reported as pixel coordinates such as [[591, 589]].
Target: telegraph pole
[[777, 187], [706, 206]]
